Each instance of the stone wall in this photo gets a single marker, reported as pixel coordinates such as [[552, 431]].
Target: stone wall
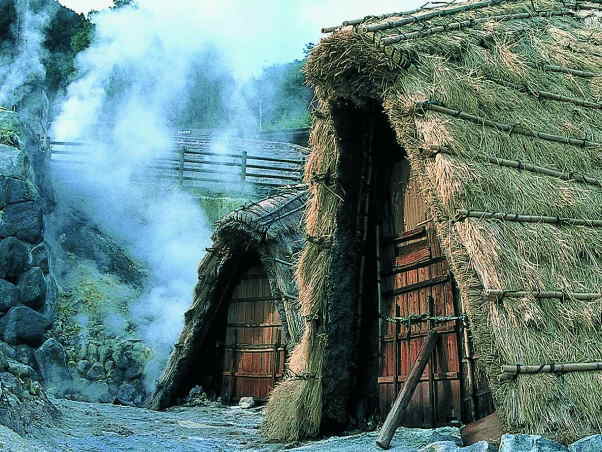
[[27, 290]]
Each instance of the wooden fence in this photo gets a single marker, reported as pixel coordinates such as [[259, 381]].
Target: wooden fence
[[203, 159]]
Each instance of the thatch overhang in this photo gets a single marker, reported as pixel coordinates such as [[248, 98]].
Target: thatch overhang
[[270, 229], [496, 104]]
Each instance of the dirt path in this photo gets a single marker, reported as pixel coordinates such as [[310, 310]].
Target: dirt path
[[93, 427]]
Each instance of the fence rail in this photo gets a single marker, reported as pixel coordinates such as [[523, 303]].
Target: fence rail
[[192, 161]]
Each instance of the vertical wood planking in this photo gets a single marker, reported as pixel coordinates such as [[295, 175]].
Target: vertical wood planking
[[254, 357], [438, 396]]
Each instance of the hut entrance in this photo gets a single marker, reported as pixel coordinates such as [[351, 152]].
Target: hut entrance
[[417, 296], [254, 356], [404, 287]]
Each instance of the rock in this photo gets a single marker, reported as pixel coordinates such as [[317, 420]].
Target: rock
[[23, 325], [32, 288], [109, 366], [24, 354], [104, 352], [96, 371], [9, 295], [246, 402], [21, 370], [452, 446], [7, 350], [83, 366], [13, 162], [130, 358], [529, 443], [129, 394], [51, 359], [95, 391], [14, 258], [23, 220], [14, 191], [39, 257], [3, 364], [587, 444], [92, 352]]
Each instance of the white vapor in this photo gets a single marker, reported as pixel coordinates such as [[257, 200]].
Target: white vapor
[[25, 65], [138, 67]]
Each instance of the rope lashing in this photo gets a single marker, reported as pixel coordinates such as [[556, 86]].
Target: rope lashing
[[326, 180], [320, 242]]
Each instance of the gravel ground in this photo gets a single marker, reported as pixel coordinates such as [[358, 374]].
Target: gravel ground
[[93, 427]]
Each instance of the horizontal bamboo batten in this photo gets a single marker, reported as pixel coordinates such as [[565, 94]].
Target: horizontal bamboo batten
[[546, 94], [511, 372], [566, 70], [439, 13], [500, 294], [573, 177], [457, 26], [509, 128], [462, 214]]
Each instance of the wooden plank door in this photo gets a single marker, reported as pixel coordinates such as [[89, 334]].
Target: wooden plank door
[[418, 287], [254, 357]]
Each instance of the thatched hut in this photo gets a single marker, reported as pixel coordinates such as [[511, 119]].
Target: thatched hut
[[244, 317], [455, 183]]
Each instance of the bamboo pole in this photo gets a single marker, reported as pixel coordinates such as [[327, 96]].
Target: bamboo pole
[[510, 128], [456, 26], [403, 398], [439, 13], [463, 213], [513, 370], [379, 295], [566, 70], [499, 294], [526, 166], [546, 94]]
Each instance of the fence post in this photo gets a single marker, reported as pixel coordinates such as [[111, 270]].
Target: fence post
[[181, 175], [243, 167]]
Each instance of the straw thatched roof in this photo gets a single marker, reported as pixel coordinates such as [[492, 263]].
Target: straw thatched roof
[[497, 106], [269, 228]]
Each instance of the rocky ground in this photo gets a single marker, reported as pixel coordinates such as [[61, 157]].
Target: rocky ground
[[89, 427]]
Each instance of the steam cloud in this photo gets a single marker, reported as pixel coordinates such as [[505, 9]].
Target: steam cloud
[[22, 65], [131, 78]]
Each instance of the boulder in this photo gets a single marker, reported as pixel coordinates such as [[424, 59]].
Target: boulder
[[23, 220], [96, 371], [529, 443], [23, 325], [32, 288], [451, 446], [14, 258], [129, 394], [9, 295], [24, 354], [587, 444], [82, 366], [13, 162], [14, 191], [21, 370], [51, 359], [39, 257], [246, 402], [7, 350]]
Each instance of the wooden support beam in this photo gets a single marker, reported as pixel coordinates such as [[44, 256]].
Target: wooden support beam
[[405, 395]]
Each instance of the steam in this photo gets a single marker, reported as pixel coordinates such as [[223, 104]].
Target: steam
[[23, 66], [131, 81]]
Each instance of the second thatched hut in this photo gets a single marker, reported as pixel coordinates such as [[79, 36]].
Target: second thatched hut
[[244, 319]]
